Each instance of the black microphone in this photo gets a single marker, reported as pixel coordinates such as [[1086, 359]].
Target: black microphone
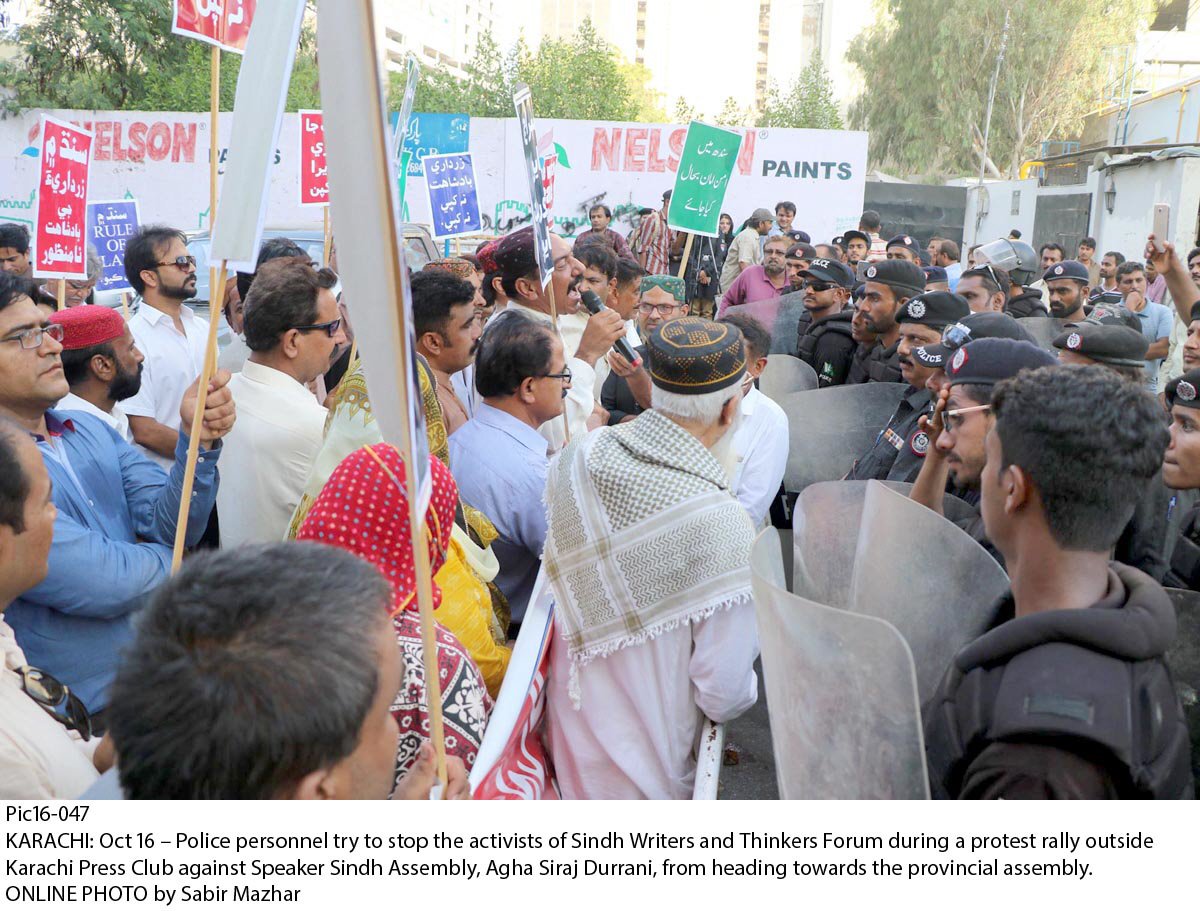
[[591, 300]]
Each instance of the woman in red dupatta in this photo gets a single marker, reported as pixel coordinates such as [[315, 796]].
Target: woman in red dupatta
[[363, 509]]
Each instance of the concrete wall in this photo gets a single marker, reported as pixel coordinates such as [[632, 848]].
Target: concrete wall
[[1139, 188], [999, 219], [1171, 115]]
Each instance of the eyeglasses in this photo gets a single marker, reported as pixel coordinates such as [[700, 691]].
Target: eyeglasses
[[954, 419], [180, 262], [331, 327], [32, 338], [660, 309], [57, 699], [818, 286], [565, 376]]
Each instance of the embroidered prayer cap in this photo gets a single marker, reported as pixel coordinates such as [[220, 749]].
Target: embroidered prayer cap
[[363, 509], [487, 257], [692, 356], [88, 325], [1117, 345], [990, 360], [671, 284], [1184, 390], [454, 265], [515, 256], [935, 309]]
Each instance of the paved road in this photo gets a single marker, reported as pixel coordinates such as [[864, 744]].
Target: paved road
[[753, 778]]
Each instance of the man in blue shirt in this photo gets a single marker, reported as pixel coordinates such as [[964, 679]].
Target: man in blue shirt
[[116, 509], [1154, 317], [499, 457]]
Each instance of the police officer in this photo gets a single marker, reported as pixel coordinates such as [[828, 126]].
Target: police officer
[[1112, 344], [902, 246], [1067, 283], [1072, 696], [973, 326], [901, 447], [886, 287], [1181, 473], [826, 342]]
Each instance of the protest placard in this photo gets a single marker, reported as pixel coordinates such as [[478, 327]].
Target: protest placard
[[60, 231], [222, 23], [450, 180], [109, 227], [523, 103], [707, 162], [434, 134], [314, 172]]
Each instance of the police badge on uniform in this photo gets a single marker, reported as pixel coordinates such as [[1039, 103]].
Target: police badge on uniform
[[919, 443], [1185, 392], [916, 309]]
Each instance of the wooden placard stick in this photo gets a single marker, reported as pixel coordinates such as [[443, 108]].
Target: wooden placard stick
[[687, 251], [62, 293], [125, 305], [327, 245]]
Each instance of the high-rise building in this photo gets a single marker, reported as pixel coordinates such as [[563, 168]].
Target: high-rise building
[[445, 32]]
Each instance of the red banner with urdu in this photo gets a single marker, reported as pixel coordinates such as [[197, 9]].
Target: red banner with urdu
[[60, 241], [314, 172], [225, 23]]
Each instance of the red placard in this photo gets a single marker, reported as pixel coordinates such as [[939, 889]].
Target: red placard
[[225, 23], [314, 174], [60, 242]]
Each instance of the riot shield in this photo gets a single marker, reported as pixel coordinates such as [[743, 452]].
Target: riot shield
[[926, 577], [1184, 661], [830, 428], [953, 508], [841, 695], [787, 323], [785, 374], [825, 526], [1044, 329]]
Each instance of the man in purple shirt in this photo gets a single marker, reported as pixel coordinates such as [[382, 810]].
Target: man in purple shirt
[[600, 216], [756, 291]]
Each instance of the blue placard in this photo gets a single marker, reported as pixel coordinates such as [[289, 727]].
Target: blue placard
[[109, 227], [453, 203], [434, 134]]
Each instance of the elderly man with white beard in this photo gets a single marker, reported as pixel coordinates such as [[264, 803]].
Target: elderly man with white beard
[[648, 555]]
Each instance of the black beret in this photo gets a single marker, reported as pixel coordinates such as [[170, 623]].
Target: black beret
[[1117, 345], [906, 241], [935, 309], [1195, 314], [1114, 315], [973, 326], [935, 274], [990, 360], [1184, 390], [1071, 268], [802, 249], [829, 270], [897, 274], [692, 356]]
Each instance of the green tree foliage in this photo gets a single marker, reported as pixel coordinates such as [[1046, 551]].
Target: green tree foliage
[[120, 54], [733, 115], [809, 104], [927, 65]]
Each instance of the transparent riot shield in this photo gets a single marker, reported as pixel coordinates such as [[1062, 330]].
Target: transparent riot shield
[[953, 508], [1184, 661], [786, 374], [825, 526], [926, 577], [787, 323], [830, 428], [841, 695], [1044, 329]]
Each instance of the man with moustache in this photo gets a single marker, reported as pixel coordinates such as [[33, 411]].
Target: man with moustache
[[826, 342], [984, 289], [887, 287], [902, 445], [168, 333], [757, 289], [447, 332], [101, 363], [1067, 284]]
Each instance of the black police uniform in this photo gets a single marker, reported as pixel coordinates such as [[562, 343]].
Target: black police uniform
[[1064, 704], [826, 345], [895, 440], [858, 363], [877, 364], [1026, 304], [1183, 512]]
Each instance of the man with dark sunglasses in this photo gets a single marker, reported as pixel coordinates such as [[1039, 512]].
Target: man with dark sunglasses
[[292, 329], [168, 333], [39, 758], [825, 341]]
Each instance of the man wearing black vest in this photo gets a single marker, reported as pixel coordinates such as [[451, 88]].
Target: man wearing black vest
[[825, 341]]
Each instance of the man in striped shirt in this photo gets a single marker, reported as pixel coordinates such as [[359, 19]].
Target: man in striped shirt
[[654, 240]]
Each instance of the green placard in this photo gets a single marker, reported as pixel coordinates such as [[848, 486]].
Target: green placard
[[403, 181], [709, 155]]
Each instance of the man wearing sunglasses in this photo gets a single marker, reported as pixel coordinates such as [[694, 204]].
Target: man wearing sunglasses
[[116, 509], [825, 341], [292, 329], [39, 759], [169, 334]]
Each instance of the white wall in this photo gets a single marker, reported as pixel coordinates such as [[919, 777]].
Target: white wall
[[999, 219], [1139, 188]]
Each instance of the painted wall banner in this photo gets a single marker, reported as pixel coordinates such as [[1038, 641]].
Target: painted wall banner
[[225, 23], [109, 227], [435, 134], [523, 103], [453, 202], [314, 173], [161, 159], [60, 238], [702, 177]]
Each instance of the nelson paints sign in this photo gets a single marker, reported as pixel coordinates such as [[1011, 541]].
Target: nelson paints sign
[[135, 140]]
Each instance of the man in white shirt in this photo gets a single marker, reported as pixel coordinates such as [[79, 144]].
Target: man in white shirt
[[760, 438], [585, 339], [170, 336], [39, 758], [648, 556], [101, 363], [292, 329]]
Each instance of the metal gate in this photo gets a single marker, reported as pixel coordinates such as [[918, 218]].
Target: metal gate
[[1062, 220]]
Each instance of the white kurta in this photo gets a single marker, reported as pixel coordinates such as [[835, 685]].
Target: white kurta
[[635, 733], [761, 443], [267, 456]]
